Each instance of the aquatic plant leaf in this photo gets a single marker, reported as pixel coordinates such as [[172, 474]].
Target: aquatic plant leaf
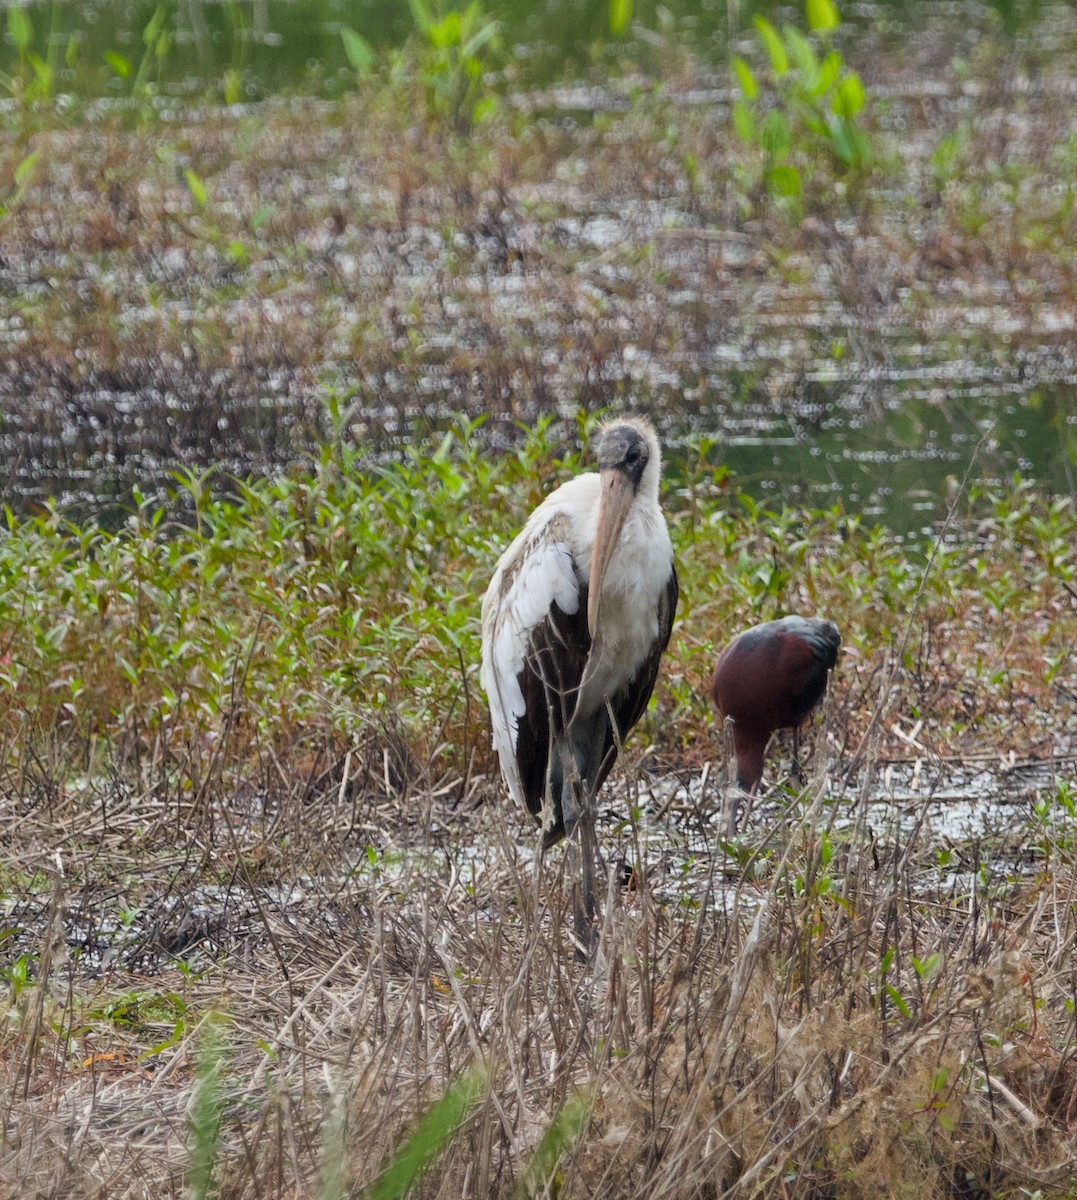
[[829, 70], [784, 180], [850, 143], [775, 47], [822, 15], [776, 136], [849, 98], [620, 17], [119, 64], [359, 52], [25, 169], [233, 86], [260, 216], [420, 15], [154, 27], [19, 28], [746, 81], [196, 187], [487, 107], [476, 42], [861, 147], [449, 31], [804, 56], [842, 143], [744, 122]]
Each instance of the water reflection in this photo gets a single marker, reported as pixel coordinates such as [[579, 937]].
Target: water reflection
[[897, 464], [900, 466]]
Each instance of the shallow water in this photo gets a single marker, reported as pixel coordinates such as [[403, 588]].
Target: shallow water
[[278, 45]]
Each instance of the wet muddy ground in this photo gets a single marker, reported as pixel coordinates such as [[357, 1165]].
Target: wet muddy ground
[[943, 833]]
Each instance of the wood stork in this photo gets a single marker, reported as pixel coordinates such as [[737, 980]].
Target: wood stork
[[771, 677], [574, 622]]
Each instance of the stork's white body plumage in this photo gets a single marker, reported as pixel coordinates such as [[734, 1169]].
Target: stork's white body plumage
[[560, 658], [549, 562]]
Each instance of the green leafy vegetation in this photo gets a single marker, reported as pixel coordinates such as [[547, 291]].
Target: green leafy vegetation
[[32, 85], [450, 58], [458, 48], [156, 46], [315, 604], [814, 101]]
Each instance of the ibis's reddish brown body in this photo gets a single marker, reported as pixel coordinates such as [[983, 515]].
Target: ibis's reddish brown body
[[770, 677]]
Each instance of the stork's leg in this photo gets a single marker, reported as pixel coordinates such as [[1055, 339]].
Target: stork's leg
[[584, 906], [579, 817]]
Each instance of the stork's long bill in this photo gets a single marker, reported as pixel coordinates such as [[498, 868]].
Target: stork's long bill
[[618, 492]]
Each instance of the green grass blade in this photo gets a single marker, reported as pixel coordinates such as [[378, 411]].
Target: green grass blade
[[562, 1134], [433, 1133], [206, 1108]]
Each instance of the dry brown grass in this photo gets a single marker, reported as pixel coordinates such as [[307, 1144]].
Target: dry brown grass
[[735, 1037]]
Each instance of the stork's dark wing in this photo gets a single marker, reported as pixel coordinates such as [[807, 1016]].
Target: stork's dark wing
[[550, 682], [534, 647]]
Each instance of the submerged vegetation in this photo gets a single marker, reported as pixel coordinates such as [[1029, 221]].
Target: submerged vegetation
[[267, 928]]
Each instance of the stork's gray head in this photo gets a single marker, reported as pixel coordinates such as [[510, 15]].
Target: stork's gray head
[[629, 445]]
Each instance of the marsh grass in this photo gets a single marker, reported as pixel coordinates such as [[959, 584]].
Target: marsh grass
[[246, 773], [823, 1021]]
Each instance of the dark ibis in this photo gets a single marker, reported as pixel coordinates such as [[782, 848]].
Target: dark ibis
[[770, 677]]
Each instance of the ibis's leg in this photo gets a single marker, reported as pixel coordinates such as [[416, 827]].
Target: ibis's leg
[[798, 771], [733, 800], [731, 793]]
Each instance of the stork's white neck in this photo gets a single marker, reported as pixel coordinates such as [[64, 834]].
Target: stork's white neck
[[637, 576]]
